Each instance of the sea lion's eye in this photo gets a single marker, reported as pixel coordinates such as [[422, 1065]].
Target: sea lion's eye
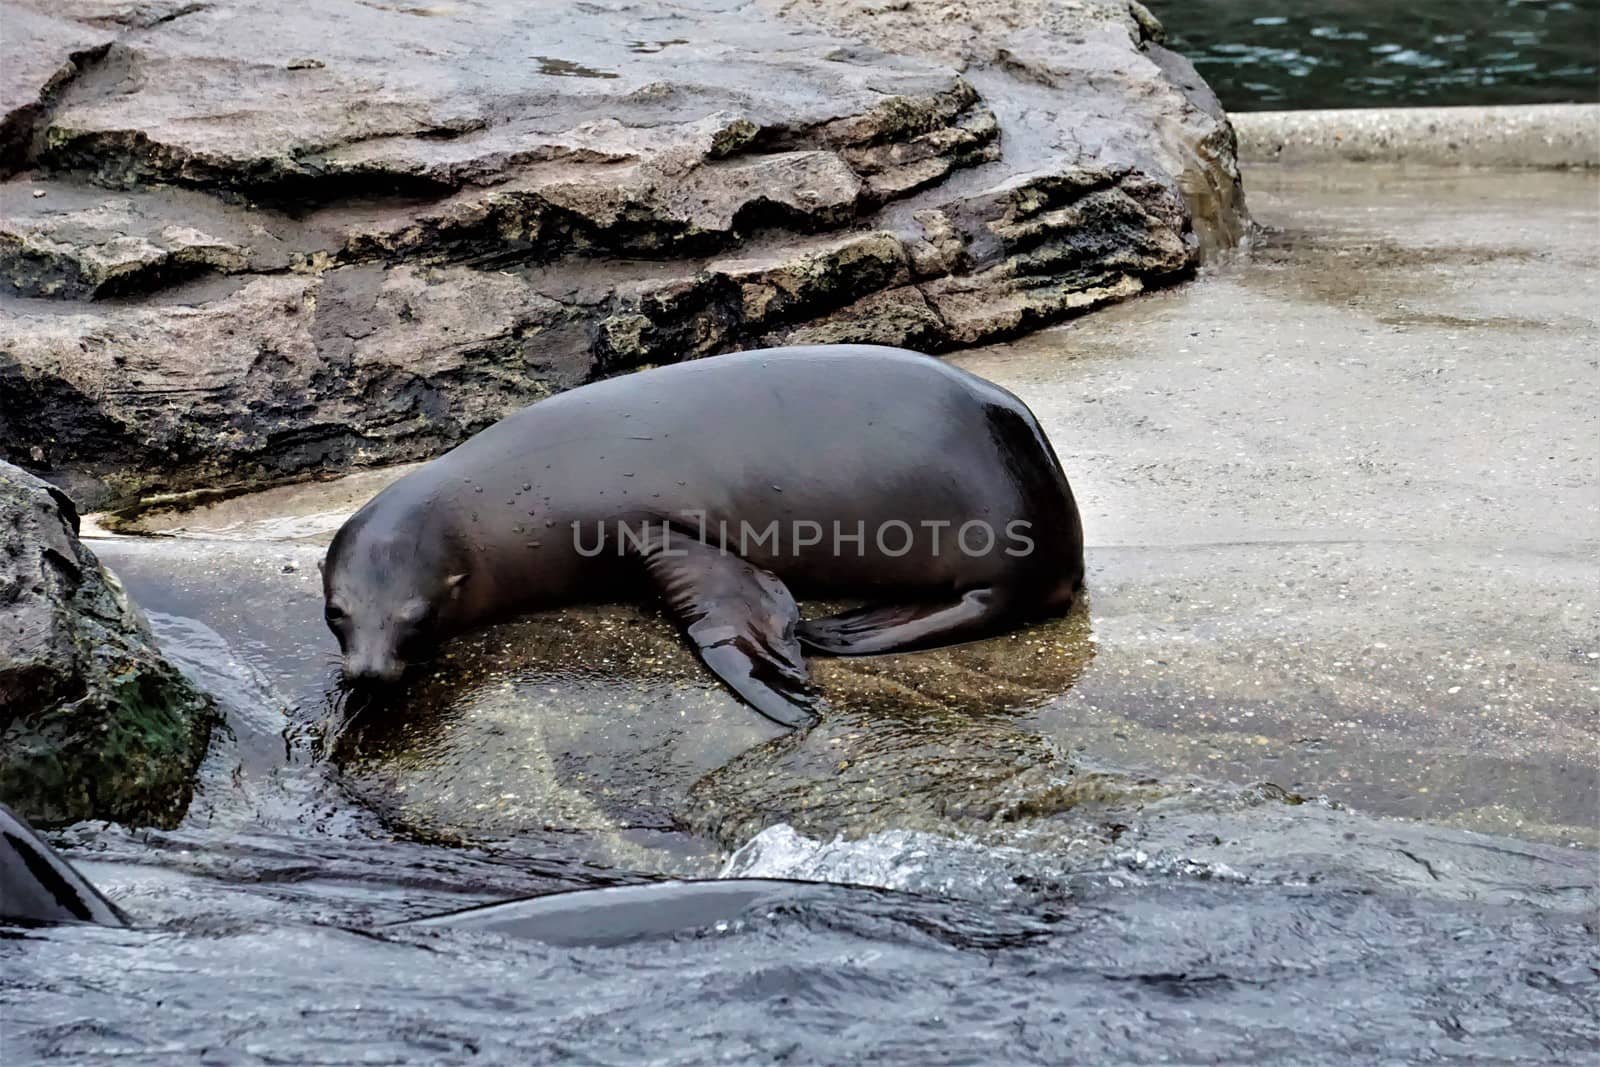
[[333, 614]]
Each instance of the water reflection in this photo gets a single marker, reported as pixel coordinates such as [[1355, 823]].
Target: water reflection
[[599, 721]]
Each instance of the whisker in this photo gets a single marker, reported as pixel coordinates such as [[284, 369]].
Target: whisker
[[331, 741]]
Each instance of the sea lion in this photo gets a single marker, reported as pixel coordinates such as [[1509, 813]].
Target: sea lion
[[38, 886], [862, 472], [618, 915]]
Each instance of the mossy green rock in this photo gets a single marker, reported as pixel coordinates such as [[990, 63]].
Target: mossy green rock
[[94, 723]]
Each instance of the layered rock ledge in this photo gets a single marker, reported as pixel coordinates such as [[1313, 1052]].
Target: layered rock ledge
[[255, 240]]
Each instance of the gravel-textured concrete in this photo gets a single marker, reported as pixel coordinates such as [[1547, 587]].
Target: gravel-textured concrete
[[1535, 135], [1342, 498]]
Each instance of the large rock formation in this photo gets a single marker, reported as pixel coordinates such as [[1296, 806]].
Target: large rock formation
[[251, 240], [94, 723]]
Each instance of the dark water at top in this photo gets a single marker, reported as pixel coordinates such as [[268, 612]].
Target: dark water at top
[[1290, 54]]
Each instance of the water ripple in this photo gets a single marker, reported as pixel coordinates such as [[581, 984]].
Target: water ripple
[[1304, 54]]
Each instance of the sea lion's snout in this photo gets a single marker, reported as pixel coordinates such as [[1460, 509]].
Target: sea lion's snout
[[372, 670]]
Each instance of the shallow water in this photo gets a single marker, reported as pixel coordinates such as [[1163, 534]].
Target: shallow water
[[1295, 578], [1187, 934], [264, 942], [1191, 972], [1261, 56]]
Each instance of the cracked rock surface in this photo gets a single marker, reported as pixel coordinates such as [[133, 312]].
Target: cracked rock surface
[[254, 240], [94, 723]]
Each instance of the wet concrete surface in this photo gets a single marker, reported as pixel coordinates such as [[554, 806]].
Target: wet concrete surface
[[1340, 495], [1341, 499]]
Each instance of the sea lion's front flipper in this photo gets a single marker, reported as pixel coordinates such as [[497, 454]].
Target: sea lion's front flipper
[[907, 627], [741, 620]]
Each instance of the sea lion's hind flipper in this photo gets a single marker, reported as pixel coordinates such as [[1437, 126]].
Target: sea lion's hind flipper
[[907, 627], [741, 620]]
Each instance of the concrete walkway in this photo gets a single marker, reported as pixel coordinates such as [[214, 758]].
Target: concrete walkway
[[1343, 499], [1535, 135]]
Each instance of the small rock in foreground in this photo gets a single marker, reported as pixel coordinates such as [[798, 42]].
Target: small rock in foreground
[[94, 722]]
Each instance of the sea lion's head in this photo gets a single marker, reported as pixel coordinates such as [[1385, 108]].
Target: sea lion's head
[[388, 597]]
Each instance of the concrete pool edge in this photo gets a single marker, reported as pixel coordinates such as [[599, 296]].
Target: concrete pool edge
[[1532, 135]]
